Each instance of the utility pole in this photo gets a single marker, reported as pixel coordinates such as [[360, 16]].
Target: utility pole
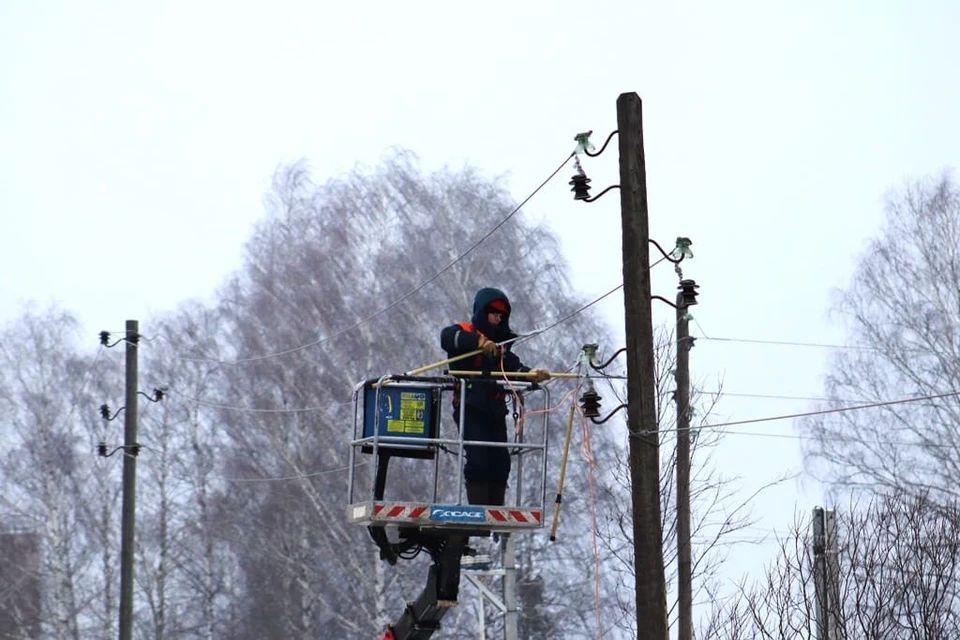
[[650, 591], [508, 605], [511, 622], [684, 560], [826, 574], [832, 552], [820, 574], [130, 451]]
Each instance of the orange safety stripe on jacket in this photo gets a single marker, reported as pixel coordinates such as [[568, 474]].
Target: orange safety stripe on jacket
[[477, 362], [468, 326]]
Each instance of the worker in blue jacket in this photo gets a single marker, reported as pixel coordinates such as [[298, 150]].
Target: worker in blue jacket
[[487, 468]]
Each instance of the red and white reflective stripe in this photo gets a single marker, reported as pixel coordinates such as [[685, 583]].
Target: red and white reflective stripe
[[400, 511], [515, 516]]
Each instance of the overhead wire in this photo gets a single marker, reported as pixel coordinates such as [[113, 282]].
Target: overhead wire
[[763, 396], [794, 343], [719, 393], [805, 414], [86, 381], [73, 405], [402, 298], [536, 332], [296, 476], [809, 344], [226, 407], [598, 375], [844, 438], [519, 339]]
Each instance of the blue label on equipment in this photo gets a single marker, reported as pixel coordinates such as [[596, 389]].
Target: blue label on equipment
[[457, 513]]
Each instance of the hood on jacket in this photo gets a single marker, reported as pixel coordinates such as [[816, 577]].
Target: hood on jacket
[[480, 302]]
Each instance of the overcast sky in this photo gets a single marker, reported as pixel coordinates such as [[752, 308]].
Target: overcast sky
[[136, 144]]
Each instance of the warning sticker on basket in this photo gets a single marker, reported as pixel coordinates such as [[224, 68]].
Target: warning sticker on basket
[[412, 419]]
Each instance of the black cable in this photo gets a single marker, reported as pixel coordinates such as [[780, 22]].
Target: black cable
[[872, 405]]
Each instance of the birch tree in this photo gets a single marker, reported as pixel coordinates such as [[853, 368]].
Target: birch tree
[[365, 270], [53, 484], [902, 315], [898, 561]]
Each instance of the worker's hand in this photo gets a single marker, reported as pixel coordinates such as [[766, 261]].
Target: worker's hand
[[489, 347], [539, 375]]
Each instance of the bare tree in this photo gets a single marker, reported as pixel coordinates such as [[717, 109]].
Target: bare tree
[[898, 561], [20, 585], [717, 512], [241, 512], [365, 270], [184, 574], [54, 485], [902, 310]]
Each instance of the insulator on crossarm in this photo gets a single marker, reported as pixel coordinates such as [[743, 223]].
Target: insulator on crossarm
[[589, 354]]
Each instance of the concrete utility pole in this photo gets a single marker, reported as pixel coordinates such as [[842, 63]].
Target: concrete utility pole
[[820, 574], [509, 605], [651, 591], [511, 622], [832, 549], [684, 560], [130, 450]]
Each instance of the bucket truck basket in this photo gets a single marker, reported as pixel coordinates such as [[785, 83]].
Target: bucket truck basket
[[400, 417]]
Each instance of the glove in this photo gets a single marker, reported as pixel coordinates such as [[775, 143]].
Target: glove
[[489, 347], [539, 375]]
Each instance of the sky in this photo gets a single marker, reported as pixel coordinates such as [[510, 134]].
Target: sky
[[136, 144]]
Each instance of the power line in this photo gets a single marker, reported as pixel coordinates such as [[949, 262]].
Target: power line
[[789, 416], [786, 397], [523, 337], [812, 344], [537, 332], [403, 297], [821, 438], [226, 407], [786, 343], [597, 375], [777, 397], [299, 476]]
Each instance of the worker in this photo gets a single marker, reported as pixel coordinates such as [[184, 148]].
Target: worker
[[487, 468]]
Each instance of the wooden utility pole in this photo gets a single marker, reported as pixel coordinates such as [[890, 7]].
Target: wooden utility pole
[[684, 559], [651, 591], [130, 450]]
